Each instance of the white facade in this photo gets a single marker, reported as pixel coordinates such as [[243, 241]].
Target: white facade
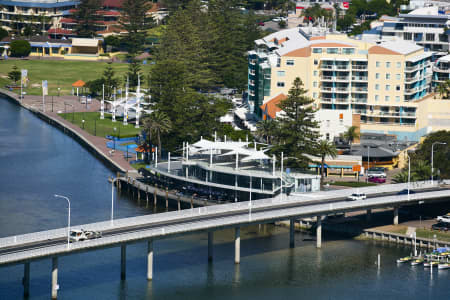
[[333, 122]]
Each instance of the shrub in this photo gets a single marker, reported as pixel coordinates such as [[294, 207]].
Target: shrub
[[20, 48]]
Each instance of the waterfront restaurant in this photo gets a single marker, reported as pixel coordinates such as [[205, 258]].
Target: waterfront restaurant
[[230, 171]]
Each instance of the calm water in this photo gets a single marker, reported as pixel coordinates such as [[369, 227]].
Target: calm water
[[37, 161]]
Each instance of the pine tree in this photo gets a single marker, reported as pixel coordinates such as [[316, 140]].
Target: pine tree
[[134, 68], [135, 20], [298, 129], [86, 16], [109, 80]]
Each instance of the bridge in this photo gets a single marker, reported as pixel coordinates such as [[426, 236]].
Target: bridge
[[23, 249]]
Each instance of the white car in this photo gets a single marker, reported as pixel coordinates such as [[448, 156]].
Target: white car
[[81, 235], [357, 196], [376, 172], [276, 19], [445, 218]]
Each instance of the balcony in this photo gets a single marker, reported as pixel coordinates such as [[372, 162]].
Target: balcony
[[359, 67], [441, 70], [342, 78], [359, 100], [326, 100], [326, 78], [359, 78], [342, 100], [328, 67], [360, 90]]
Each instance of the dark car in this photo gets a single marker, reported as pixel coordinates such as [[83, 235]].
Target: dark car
[[405, 192], [441, 226], [260, 23], [377, 179]]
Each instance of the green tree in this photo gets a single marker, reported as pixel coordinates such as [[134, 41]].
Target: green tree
[[109, 80], [134, 68], [401, 177], [351, 134], [324, 149], [442, 89], [20, 48], [136, 21], [441, 153], [266, 129], [87, 17], [298, 132], [3, 33], [15, 74], [158, 123]]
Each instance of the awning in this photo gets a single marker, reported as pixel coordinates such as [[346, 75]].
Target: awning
[[79, 83], [77, 42]]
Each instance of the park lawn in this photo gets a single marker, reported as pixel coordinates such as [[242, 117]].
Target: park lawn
[[94, 126], [352, 183], [429, 234], [59, 73]]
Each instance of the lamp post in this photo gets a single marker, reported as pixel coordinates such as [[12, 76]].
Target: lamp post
[[432, 151], [68, 219], [59, 90], [368, 163], [114, 138], [409, 172], [82, 121]]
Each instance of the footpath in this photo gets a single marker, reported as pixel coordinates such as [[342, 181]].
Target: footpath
[[55, 105]]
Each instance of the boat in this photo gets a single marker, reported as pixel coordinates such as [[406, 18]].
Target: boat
[[428, 264], [444, 266], [417, 261], [404, 259]]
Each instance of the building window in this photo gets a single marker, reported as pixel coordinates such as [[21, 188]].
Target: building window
[[327, 136], [278, 62], [348, 50], [388, 64], [377, 64], [397, 87], [407, 36], [315, 73], [388, 87], [399, 64], [280, 84], [281, 73], [388, 76], [397, 76], [429, 37], [317, 50], [397, 98], [314, 95], [377, 86], [328, 123], [377, 97], [316, 61], [377, 75], [332, 50], [386, 98], [290, 62], [315, 84]]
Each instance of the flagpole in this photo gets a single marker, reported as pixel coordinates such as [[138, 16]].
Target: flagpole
[[102, 112], [43, 97]]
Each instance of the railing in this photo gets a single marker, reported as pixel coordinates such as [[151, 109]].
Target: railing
[[359, 78], [359, 100], [359, 67], [358, 89]]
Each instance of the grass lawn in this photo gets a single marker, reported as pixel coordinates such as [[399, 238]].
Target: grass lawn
[[59, 73], [95, 126], [429, 234], [139, 165], [352, 183]]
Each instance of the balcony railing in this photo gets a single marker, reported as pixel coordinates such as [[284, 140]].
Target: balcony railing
[[359, 100], [359, 78], [359, 89], [359, 67]]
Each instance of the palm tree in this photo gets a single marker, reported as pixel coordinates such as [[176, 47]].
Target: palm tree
[[442, 89], [325, 148], [266, 130], [158, 123], [421, 170], [401, 177], [351, 134]]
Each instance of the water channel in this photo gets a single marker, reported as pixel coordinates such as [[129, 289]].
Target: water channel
[[38, 160]]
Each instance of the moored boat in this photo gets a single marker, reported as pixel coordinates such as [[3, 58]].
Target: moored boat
[[444, 266], [404, 259], [428, 264], [417, 261]]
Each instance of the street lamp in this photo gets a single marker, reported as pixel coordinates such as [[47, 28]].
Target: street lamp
[[68, 219], [114, 138], [409, 172], [82, 121], [368, 163], [432, 151], [59, 89]]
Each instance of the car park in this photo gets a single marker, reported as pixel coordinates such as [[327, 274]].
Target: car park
[[357, 196]]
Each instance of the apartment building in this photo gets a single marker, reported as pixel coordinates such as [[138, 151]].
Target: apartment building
[[441, 70], [380, 82], [425, 26], [15, 14]]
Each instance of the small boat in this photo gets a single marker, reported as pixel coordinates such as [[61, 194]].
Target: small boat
[[417, 261], [428, 264], [444, 266], [404, 259]]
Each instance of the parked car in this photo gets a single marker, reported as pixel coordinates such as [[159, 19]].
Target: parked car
[[405, 192], [376, 172], [357, 196], [441, 226], [260, 23], [377, 179], [276, 19], [77, 235], [445, 218]]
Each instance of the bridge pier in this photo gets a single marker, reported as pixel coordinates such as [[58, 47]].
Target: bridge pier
[[210, 245], [237, 245], [150, 260], [319, 232], [55, 286], [291, 233], [368, 215], [26, 280], [123, 261], [395, 215]]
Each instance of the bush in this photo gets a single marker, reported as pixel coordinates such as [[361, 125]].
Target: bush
[[3, 33], [20, 48], [104, 54], [63, 52]]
